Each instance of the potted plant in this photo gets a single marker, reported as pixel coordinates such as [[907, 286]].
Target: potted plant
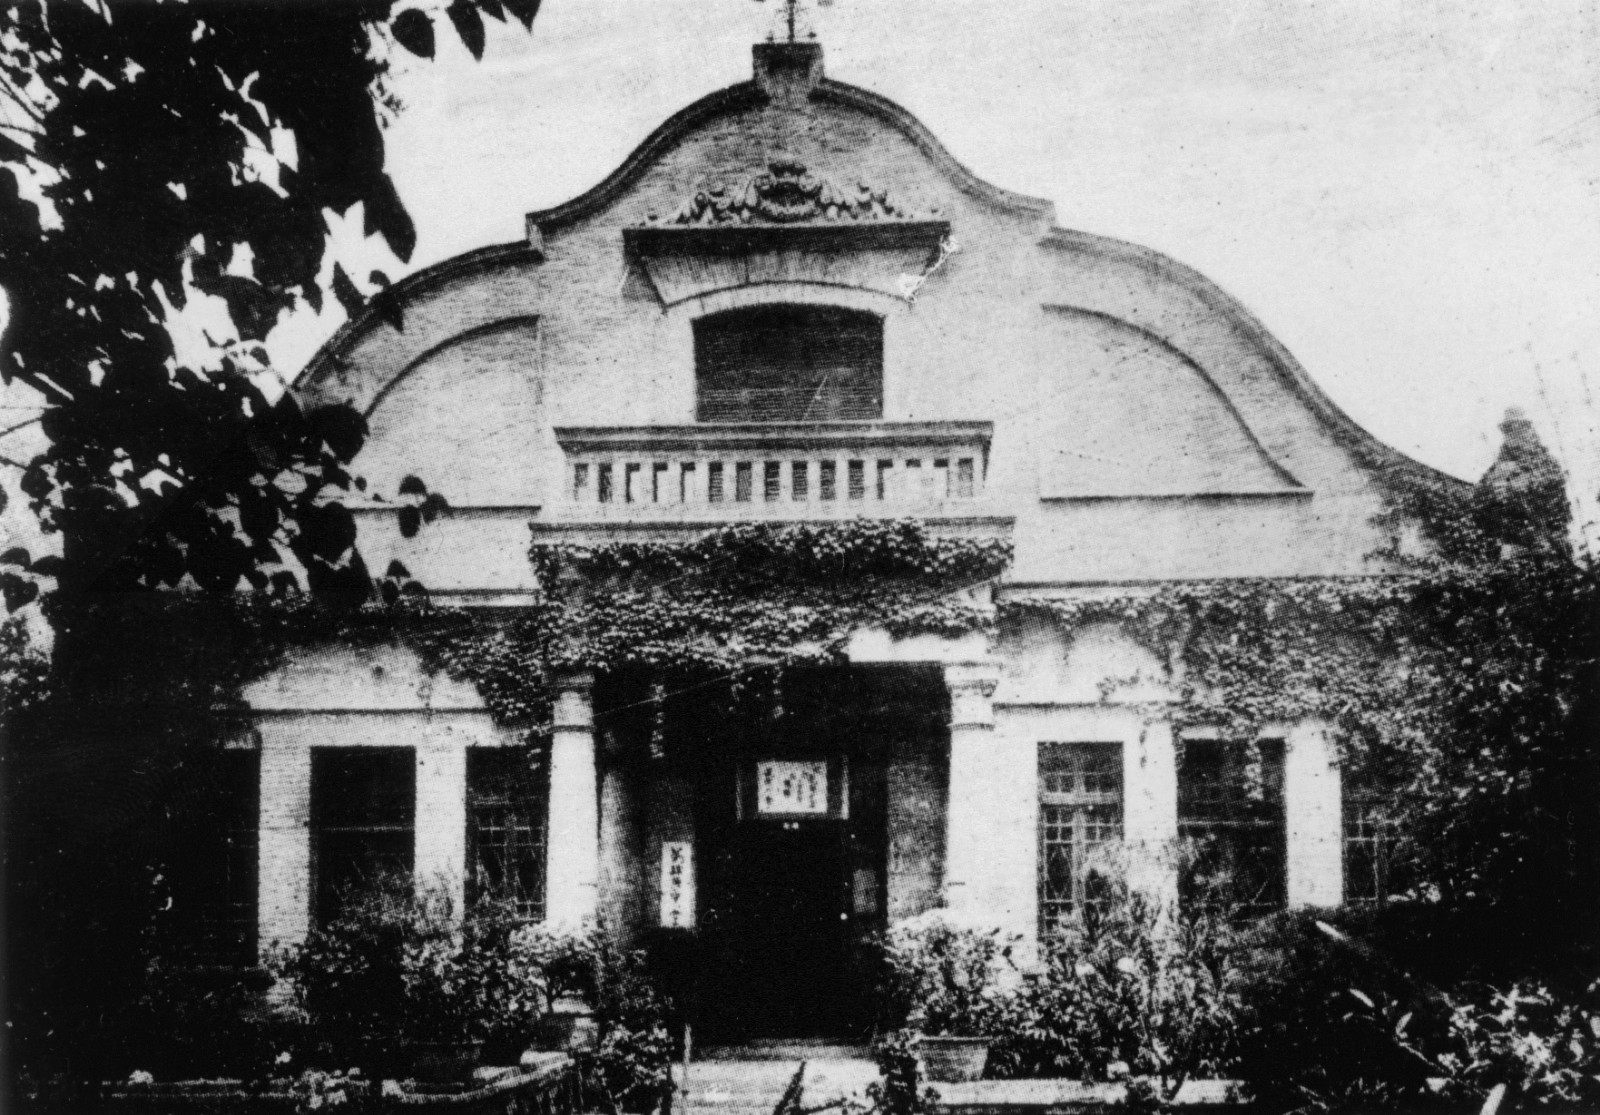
[[944, 982]]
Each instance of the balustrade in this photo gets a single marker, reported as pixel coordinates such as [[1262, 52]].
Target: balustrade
[[781, 468]]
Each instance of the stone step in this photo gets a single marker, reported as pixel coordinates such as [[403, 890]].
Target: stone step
[[753, 1087]]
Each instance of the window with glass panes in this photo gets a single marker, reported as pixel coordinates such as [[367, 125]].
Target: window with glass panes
[[1231, 825], [363, 822], [1080, 825], [1374, 868], [506, 795]]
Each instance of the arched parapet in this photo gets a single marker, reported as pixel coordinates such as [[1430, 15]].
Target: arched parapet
[[1177, 306]]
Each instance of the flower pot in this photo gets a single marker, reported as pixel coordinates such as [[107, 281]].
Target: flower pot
[[443, 1062], [951, 1060]]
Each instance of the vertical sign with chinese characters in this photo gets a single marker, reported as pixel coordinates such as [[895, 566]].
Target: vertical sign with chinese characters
[[677, 884]]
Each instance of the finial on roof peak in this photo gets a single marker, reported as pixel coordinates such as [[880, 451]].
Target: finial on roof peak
[[793, 24]]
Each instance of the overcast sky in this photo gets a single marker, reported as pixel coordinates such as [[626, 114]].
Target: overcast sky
[[1407, 195]]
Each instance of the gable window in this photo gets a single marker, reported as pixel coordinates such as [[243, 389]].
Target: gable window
[[506, 798], [363, 822], [1231, 824], [1080, 826], [788, 364]]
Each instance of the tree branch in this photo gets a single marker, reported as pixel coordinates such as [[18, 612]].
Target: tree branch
[[21, 99], [19, 425]]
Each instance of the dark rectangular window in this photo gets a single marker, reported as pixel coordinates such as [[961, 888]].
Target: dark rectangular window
[[630, 484], [603, 486], [857, 479], [506, 808], [658, 474], [827, 479], [1080, 827], [800, 481], [1231, 825], [771, 480], [788, 364], [714, 492], [210, 917], [363, 822], [686, 482], [580, 481], [743, 482], [883, 478]]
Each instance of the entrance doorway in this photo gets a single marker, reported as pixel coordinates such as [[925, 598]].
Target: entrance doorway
[[792, 900]]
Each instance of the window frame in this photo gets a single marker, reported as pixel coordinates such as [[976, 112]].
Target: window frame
[[1217, 820], [1088, 811], [493, 793]]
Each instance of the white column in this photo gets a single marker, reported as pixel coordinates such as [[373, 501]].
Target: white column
[[1315, 822], [283, 868], [990, 842], [1150, 809], [572, 878], [440, 858]]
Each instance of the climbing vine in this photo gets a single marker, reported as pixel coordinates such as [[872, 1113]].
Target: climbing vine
[[761, 594]]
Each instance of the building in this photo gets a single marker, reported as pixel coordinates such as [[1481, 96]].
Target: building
[[792, 304]]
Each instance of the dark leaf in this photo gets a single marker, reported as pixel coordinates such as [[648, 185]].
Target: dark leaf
[[493, 9], [16, 556], [388, 307], [523, 10], [414, 31], [35, 482], [50, 565], [378, 279], [19, 593], [411, 486], [386, 215], [390, 592], [347, 294], [396, 569], [413, 588], [410, 522], [434, 506], [283, 583], [341, 427], [469, 25], [328, 531]]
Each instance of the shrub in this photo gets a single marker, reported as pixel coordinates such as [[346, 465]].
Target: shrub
[[189, 1022], [944, 979], [398, 968], [1130, 989], [1335, 1025]]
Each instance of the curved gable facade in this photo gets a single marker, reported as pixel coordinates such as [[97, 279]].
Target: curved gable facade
[[791, 304]]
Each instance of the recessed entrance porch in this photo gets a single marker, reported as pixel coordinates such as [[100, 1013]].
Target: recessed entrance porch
[[757, 833]]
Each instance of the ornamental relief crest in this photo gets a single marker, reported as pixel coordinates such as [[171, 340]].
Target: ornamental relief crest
[[787, 194]]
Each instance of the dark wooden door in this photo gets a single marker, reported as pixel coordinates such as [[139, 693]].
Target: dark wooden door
[[788, 930]]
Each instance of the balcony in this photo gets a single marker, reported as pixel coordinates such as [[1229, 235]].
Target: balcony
[[650, 477]]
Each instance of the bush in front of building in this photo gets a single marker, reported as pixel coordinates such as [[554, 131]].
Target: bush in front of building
[[942, 979], [1130, 989], [1335, 1024], [397, 970]]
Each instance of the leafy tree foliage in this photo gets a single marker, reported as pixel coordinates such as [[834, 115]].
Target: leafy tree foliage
[[180, 147]]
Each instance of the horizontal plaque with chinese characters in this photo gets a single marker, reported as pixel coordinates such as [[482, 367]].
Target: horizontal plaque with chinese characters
[[789, 786]]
